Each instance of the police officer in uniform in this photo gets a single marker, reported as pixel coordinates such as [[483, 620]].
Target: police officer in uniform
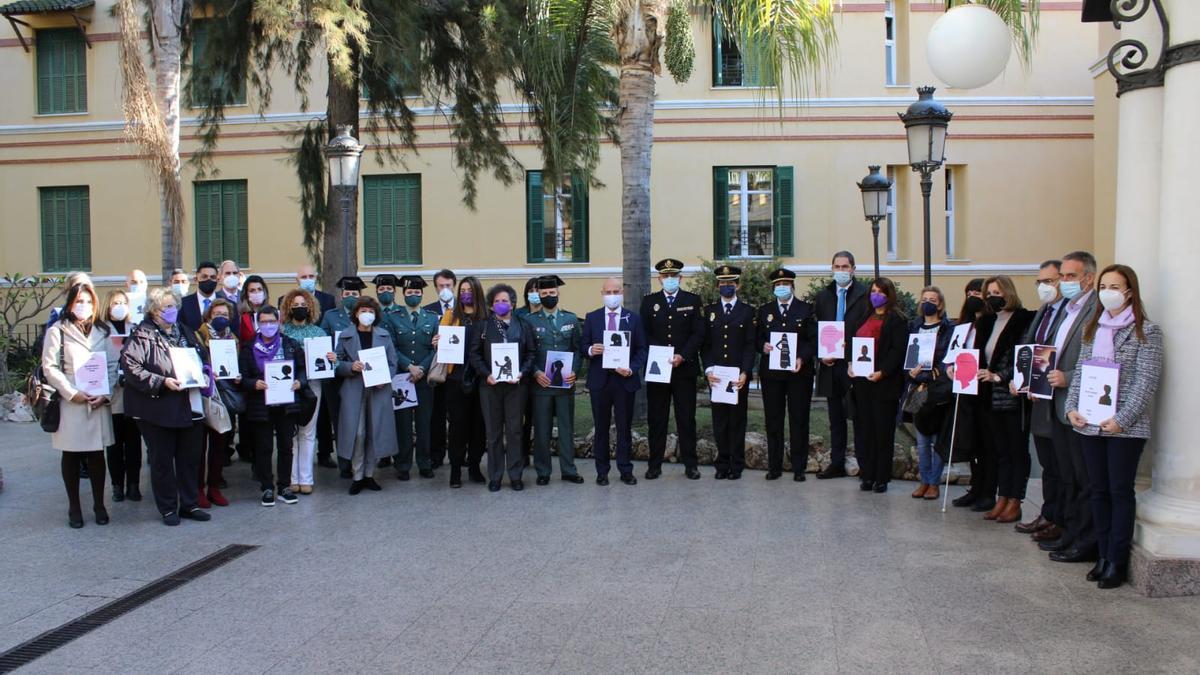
[[333, 323], [554, 330], [673, 318], [729, 340], [413, 331], [385, 292], [787, 390]]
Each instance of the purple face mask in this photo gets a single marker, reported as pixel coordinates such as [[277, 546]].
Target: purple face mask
[[878, 300], [268, 330], [501, 308], [467, 298], [170, 315]]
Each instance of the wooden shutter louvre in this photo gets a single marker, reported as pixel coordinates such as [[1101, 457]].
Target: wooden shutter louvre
[[203, 222], [720, 212], [242, 223], [371, 253], [783, 235], [66, 229], [580, 216], [50, 257], [535, 217], [410, 218]]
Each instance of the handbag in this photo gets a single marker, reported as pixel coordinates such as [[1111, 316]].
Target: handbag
[[916, 399], [234, 400], [216, 416], [44, 401], [438, 372]]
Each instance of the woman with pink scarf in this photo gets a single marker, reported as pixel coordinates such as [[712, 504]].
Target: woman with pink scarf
[[1118, 335]]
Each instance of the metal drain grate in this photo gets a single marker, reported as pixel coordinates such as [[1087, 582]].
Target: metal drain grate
[[47, 642]]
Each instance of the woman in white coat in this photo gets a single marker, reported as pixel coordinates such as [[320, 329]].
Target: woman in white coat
[[85, 426]]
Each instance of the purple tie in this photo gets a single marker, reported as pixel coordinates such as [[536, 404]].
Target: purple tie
[[1045, 323], [612, 320]]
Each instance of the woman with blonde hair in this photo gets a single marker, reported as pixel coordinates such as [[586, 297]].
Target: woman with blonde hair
[[302, 317]]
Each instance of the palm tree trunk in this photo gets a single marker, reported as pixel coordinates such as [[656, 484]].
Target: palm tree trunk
[[637, 139], [168, 47], [339, 246]]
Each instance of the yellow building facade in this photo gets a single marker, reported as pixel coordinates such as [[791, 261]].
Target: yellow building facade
[[1019, 162]]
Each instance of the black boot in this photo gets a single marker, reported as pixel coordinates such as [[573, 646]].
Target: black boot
[[132, 491], [118, 492], [1114, 575], [1097, 570]]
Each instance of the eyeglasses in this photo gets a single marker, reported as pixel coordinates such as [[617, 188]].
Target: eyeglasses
[[1046, 282]]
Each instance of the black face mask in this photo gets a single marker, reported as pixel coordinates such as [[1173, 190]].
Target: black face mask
[[973, 305], [550, 301], [208, 286], [300, 314], [996, 302]]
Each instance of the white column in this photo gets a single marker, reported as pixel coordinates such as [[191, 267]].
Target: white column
[[1168, 525]]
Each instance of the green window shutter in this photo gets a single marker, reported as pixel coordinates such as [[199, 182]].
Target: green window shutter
[[392, 219], [241, 222], [61, 71], [66, 229], [222, 221], [720, 212], [370, 228], [216, 84], [535, 217], [784, 229], [409, 219], [580, 215], [203, 218]]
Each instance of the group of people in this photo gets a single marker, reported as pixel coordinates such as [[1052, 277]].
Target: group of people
[[508, 402]]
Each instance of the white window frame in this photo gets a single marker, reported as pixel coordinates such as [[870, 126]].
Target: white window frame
[[742, 189], [893, 220], [950, 206], [560, 227], [889, 42]]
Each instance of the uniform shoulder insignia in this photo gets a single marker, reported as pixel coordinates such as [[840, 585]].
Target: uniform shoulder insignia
[[656, 306], [712, 316], [770, 318]]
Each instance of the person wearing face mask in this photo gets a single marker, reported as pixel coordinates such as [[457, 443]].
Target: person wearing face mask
[[502, 402], [673, 318], [231, 280], [179, 282], [170, 417], [135, 283], [334, 323], [931, 319], [444, 283], [1003, 464], [125, 454], [532, 305], [729, 340], [613, 390], [966, 429], [254, 297], [414, 333], [271, 425], [85, 428], [1077, 543], [306, 280], [385, 292], [215, 450], [301, 316], [554, 329], [194, 306], [1122, 335], [465, 440], [877, 394], [366, 426], [790, 390], [843, 299]]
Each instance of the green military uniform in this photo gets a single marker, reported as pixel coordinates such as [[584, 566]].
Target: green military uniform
[[412, 330], [554, 331]]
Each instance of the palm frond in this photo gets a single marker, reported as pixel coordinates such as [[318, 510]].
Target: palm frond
[[1021, 17]]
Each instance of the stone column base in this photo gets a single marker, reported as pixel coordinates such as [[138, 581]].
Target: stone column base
[[1161, 577]]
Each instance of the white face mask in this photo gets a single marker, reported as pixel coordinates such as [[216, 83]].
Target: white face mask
[[119, 312], [366, 318], [231, 282], [1112, 300], [1047, 292], [181, 289], [257, 297], [445, 295], [135, 287], [613, 301], [82, 311]]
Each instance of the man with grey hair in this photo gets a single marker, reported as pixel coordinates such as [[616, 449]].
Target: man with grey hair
[[230, 276]]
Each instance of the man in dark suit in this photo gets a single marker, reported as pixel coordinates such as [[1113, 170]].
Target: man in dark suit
[[613, 391], [193, 307], [844, 299], [729, 338], [445, 284], [673, 318], [787, 390], [306, 279]]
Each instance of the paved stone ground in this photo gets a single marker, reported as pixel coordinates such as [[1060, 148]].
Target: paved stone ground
[[667, 576]]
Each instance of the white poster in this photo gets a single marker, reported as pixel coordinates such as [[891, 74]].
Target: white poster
[[375, 366], [966, 368], [862, 349], [658, 364], [452, 345], [316, 358], [959, 339], [1098, 390], [137, 307], [188, 369], [279, 376], [1022, 367], [783, 351], [506, 362], [224, 357], [831, 339], [404, 392], [616, 349], [91, 377], [559, 367], [919, 352], [725, 391]]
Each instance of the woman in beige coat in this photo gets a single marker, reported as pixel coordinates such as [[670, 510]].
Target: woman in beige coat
[[85, 426]]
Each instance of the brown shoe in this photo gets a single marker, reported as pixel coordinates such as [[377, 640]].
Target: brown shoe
[[1032, 526], [1047, 534], [920, 491], [1001, 502], [933, 492], [1011, 513]]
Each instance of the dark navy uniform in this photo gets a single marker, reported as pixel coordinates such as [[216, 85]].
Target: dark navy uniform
[[675, 320], [784, 391], [729, 341], [437, 420]]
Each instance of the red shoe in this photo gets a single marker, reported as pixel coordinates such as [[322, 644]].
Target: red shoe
[[215, 496], [202, 501]]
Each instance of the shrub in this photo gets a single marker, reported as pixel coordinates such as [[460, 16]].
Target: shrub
[[755, 290]]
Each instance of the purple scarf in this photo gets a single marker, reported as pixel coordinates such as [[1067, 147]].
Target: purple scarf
[[1108, 326], [264, 352]]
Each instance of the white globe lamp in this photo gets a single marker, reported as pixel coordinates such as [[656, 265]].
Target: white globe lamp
[[968, 46]]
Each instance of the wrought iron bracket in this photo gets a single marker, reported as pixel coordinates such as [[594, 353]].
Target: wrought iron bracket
[[1129, 59]]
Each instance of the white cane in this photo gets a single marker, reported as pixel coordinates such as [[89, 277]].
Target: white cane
[[950, 460]]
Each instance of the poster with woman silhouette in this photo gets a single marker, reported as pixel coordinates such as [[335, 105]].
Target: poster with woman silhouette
[[658, 364], [1098, 382], [783, 351], [831, 339], [279, 376], [862, 349], [224, 356], [920, 350], [188, 369], [452, 345], [725, 390], [506, 362], [375, 367], [404, 392], [1022, 368], [559, 366], [316, 361], [616, 349], [960, 338], [1045, 358]]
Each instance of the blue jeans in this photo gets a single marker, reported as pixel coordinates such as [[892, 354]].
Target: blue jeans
[[929, 462]]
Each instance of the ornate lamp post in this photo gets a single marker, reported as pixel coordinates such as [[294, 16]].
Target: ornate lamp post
[[926, 123], [875, 187], [344, 153]]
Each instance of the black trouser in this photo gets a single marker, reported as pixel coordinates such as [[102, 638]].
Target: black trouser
[[125, 454], [325, 417], [437, 422], [1112, 467], [793, 395], [503, 405], [466, 438], [174, 464], [527, 426], [214, 458], [408, 419], [682, 392], [837, 414], [71, 464], [985, 459], [1051, 509], [281, 427], [1012, 453], [613, 403], [874, 432], [729, 428], [245, 442], [1075, 493]]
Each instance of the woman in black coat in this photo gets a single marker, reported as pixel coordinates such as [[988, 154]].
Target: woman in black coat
[[278, 421], [169, 416], [877, 394]]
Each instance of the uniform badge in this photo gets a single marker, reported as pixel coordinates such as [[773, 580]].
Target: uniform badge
[[656, 306], [770, 317]]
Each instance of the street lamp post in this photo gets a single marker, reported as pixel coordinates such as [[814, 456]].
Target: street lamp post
[[343, 154], [875, 187], [925, 124]]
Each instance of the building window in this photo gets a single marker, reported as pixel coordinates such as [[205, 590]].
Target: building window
[[753, 212], [217, 85], [392, 219], [61, 71], [222, 221], [950, 181], [556, 220], [889, 41], [893, 224], [732, 68], [66, 229]]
